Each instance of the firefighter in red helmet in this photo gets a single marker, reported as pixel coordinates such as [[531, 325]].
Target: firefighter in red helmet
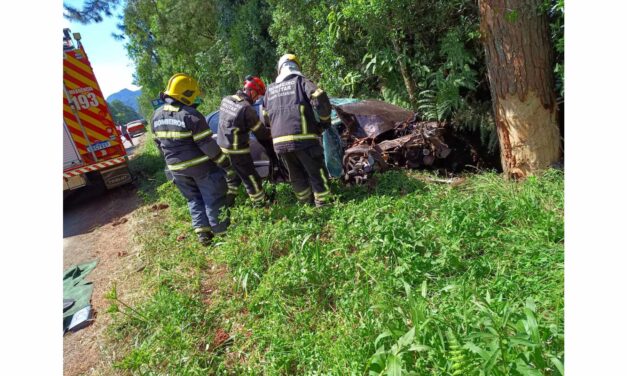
[[237, 119]]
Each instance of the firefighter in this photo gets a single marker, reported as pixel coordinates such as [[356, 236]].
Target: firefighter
[[297, 112], [192, 156], [237, 119]]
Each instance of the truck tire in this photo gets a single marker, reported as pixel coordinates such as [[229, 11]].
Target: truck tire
[[96, 182]]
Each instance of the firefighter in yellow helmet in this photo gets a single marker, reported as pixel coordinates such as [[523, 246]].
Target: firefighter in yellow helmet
[[297, 112], [193, 158]]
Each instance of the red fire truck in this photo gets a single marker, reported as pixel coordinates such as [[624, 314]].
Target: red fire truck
[[93, 152]]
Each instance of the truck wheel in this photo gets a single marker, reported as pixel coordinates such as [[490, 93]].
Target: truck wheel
[[96, 182]]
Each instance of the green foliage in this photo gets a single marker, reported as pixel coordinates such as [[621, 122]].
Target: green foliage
[[555, 9], [122, 113], [217, 42], [360, 49], [404, 277], [148, 165], [444, 99], [91, 11], [424, 56], [478, 118]]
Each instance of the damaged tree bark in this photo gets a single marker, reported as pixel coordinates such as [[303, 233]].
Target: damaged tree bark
[[518, 55]]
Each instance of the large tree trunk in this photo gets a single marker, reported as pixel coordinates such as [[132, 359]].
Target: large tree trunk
[[518, 55]]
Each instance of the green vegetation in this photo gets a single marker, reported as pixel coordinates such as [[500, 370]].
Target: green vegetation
[[402, 277], [555, 10], [424, 56], [122, 113]]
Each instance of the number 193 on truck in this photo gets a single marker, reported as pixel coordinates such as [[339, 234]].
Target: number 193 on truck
[[93, 151]]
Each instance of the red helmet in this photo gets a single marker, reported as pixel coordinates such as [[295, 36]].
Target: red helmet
[[255, 83]]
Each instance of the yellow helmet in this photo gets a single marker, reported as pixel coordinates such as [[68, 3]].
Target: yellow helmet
[[284, 59], [183, 88]]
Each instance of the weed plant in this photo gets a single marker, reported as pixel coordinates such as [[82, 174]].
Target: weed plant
[[402, 277]]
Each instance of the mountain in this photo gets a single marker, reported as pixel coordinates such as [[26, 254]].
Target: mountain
[[126, 96]]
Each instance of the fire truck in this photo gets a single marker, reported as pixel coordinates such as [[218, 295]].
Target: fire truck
[[93, 151]]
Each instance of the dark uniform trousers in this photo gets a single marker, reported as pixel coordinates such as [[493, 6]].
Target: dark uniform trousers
[[237, 119], [192, 158], [206, 198], [245, 168], [307, 170], [290, 109]]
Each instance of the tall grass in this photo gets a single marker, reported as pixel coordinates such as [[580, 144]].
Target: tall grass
[[403, 277]]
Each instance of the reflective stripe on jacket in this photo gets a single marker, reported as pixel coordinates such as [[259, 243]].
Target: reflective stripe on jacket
[[184, 138], [289, 107], [237, 119]]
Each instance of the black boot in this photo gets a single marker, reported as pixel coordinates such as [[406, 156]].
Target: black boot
[[205, 238], [230, 200]]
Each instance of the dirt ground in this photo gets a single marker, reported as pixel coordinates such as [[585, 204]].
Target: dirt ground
[[96, 226]]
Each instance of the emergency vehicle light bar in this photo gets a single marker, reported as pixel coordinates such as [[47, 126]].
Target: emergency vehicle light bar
[[67, 40]]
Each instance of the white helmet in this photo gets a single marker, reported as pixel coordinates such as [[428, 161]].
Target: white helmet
[[284, 59]]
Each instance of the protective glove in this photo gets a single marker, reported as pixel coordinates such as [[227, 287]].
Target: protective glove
[[230, 172], [224, 162], [269, 148], [278, 171]]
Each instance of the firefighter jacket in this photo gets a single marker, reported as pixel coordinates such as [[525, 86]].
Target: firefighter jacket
[[289, 111], [237, 119], [184, 138]]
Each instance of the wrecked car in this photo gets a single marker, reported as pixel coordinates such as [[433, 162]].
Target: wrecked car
[[378, 136], [369, 136]]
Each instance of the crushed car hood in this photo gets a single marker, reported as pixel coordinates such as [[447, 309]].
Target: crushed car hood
[[371, 118], [378, 136]]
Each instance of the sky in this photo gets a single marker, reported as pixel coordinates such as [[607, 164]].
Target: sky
[[113, 69]]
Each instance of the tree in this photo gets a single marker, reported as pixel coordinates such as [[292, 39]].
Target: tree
[[92, 11], [218, 42], [122, 113], [518, 55]]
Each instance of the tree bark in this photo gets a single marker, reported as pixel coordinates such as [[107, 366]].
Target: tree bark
[[518, 55], [410, 86]]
